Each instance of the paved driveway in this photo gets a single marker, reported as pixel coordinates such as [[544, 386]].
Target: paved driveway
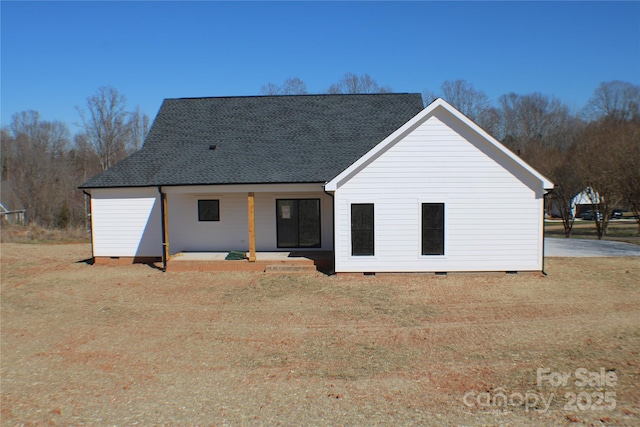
[[557, 247]]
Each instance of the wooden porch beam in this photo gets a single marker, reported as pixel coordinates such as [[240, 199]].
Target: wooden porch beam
[[252, 227]]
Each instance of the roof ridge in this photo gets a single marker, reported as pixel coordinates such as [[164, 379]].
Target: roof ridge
[[291, 96], [260, 138]]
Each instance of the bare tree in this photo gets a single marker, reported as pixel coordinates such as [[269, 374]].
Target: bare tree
[[37, 167], [270, 89], [291, 86], [105, 123], [629, 167], [616, 100], [45, 169], [352, 84], [465, 98], [84, 163], [470, 101], [7, 153], [294, 86], [490, 120], [632, 194], [610, 154], [428, 96], [569, 183], [138, 124], [604, 153], [535, 120]]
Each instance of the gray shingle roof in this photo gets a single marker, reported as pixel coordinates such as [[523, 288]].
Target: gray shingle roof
[[261, 139]]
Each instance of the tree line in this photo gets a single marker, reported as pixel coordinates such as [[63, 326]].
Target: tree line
[[44, 165], [596, 148]]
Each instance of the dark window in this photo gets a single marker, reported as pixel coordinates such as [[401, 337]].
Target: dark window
[[298, 223], [362, 236], [433, 229], [208, 210]]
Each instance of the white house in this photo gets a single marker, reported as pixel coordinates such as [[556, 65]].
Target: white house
[[12, 209], [382, 183], [580, 203]]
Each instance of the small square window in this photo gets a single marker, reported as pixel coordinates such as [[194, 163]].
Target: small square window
[[208, 210]]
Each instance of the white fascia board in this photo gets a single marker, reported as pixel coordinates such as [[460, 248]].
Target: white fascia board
[[414, 123]]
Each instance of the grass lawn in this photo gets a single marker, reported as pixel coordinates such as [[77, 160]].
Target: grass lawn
[[104, 345], [625, 230]]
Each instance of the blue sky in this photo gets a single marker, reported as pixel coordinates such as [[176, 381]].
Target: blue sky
[[56, 54]]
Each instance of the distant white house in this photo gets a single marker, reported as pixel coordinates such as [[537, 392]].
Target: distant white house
[[383, 183], [12, 210], [580, 203]]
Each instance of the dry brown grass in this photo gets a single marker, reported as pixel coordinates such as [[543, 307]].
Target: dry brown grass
[[32, 233], [99, 345], [626, 230]]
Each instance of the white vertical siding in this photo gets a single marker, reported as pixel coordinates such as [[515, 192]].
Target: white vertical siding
[[126, 222], [186, 233], [493, 215]]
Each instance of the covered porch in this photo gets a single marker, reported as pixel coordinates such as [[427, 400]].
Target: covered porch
[[268, 262], [277, 227]]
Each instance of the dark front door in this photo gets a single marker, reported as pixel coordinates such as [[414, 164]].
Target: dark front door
[[298, 223]]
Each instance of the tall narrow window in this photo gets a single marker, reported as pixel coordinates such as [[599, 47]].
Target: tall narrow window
[[433, 229], [362, 233], [298, 223], [208, 210]]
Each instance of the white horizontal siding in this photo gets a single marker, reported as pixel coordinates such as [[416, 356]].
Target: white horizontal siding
[[492, 217], [186, 233], [126, 222]]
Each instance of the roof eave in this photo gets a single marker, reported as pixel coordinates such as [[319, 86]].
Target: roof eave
[[200, 184]]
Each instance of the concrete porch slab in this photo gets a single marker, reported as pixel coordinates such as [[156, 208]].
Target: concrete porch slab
[[260, 256], [265, 261]]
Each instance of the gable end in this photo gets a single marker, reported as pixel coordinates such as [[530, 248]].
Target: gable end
[[467, 129]]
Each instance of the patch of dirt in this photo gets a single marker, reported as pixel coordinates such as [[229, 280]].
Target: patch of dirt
[[126, 345]]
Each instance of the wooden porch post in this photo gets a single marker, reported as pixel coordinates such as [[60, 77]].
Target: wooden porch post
[[252, 228], [165, 228], [165, 225]]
